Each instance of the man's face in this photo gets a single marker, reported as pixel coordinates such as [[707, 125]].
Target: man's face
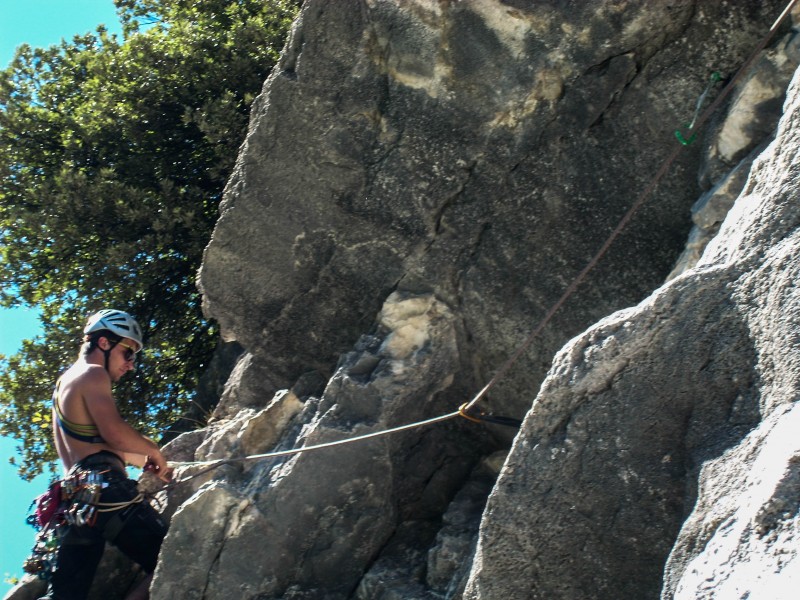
[[122, 358]]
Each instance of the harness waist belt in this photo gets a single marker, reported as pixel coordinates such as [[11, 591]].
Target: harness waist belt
[[104, 458]]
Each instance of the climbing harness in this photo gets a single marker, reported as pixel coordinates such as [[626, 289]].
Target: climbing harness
[[74, 500]]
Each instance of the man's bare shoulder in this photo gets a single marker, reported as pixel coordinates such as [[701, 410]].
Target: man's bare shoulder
[[82, 375]]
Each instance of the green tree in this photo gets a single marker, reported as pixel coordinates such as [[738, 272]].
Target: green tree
[[113, 157]]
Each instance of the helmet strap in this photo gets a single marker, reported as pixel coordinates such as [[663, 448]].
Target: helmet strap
[[107, 353]]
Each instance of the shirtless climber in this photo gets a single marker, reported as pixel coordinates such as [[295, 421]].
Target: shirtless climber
[[94, 444]]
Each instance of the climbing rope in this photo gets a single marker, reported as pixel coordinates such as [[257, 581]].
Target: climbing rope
[[213, 464], [112, 506], [468, 410], [648, 190]]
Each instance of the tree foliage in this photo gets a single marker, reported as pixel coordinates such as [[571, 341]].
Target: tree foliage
[[113, 157]]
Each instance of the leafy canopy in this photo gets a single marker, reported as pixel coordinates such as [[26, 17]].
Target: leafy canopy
[[113, 157]]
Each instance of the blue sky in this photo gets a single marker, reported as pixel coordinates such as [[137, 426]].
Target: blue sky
[[16, 495], [39, 23], [42, 23]]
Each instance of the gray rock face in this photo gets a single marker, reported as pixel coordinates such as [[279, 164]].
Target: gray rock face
[[684, 404], [310, 526], [742, 537], [737, 140], [480, 151], [465, 160]]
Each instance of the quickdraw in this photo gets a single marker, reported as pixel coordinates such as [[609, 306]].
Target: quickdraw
[[478, 415], [686, 141]]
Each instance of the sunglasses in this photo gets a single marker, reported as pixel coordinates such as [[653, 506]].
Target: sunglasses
[[129, 354]]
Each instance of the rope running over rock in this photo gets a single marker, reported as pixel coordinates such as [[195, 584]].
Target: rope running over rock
[[467, 409]]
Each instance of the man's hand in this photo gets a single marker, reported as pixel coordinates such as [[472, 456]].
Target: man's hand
[[158, 465]]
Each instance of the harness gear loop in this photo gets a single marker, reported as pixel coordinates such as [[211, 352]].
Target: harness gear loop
[[74, 500]]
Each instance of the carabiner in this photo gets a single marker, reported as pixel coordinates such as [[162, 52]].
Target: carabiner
[[683, 140]]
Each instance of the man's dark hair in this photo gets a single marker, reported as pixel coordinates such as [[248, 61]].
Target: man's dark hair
[[91, 340]]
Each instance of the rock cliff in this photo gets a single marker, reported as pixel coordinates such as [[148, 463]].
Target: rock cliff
[[420, 182], [686, 403], [449, 167]]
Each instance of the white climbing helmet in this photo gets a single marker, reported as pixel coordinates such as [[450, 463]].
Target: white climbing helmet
[[115, 321]]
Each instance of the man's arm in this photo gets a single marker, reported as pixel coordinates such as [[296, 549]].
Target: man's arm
[[99, 400], [136, 460]]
